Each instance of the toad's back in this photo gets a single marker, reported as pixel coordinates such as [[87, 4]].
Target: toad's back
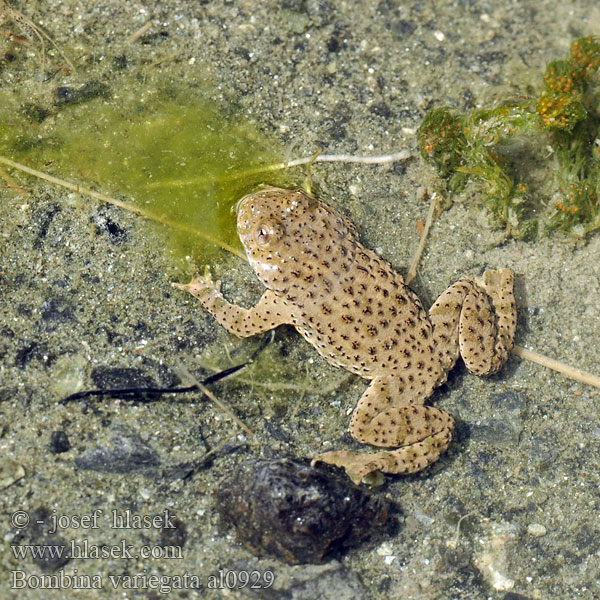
[[343, 298]]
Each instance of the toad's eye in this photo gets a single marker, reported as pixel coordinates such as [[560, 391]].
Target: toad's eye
[[266, 233]]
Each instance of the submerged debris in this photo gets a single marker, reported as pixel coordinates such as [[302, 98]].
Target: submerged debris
[[296, 512]]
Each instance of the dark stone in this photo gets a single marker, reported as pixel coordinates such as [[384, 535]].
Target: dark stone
[[298, 513], [479, 475], [586, 540], [91, 279], [72, 95], [331, 581], [509, 400], [43, 219], [55, 554], [163, 374], [457, 558], [8, 393], [102, 220], [151, 37], [468, 100], [492, 57], [65, 95], [337, 131], [500, 433], [337, 40], [295, 5], [120, 62], [21, 279], [24, 310], [59, 442], [506, 430], [35, 112], [336, 125], [243, 53], [28, 352], [276, 432], [409, 114], [542, 453], [129, 454], [57, 310], [401, 28], [381, 110], [333, 44]]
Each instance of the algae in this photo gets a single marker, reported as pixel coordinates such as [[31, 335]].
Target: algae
[[181, 156]]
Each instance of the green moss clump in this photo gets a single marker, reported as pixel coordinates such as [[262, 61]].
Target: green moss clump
[[564, 118], [442, 139]]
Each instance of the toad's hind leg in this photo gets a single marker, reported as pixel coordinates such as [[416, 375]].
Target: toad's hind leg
[[414, 435], [476, 321]]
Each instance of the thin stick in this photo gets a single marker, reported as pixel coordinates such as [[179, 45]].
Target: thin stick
[[454, 543], [222, 405], [136, 35], [218, 447], [555, 365], [125, 205], [345, 158], [225, 408], [307, 186], [412, 271], [350, 158], [332, 385]]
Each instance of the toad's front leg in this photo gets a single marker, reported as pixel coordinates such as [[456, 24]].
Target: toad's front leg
[[267, 314]]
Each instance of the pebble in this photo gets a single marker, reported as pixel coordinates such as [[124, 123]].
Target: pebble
[[59, 442], [536, 530], [68, 374]]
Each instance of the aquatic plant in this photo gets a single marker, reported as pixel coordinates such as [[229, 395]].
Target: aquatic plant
[[565, 119]]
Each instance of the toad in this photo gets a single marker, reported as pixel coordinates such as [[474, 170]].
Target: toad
[[357, 312]]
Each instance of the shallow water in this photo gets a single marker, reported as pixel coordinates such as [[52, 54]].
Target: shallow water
[[509, 511]]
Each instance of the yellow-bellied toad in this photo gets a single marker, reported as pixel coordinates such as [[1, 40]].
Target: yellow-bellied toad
[[357, 312]]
